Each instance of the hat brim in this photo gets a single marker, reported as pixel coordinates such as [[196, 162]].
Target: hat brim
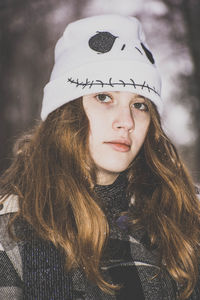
[[126, 75]]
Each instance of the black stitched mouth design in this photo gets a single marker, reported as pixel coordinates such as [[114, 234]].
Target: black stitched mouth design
[[110, 83]]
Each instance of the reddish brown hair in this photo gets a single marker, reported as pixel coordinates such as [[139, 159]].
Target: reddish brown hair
[[166, 205], [53, 176]]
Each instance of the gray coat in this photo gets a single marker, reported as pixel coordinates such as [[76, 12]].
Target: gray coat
[[11, 269]]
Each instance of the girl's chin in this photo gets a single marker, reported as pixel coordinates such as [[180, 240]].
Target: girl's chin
[[108, 175]]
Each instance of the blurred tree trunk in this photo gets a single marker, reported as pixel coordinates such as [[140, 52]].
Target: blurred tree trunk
[[191, 15], [29, 31], [189, 12]]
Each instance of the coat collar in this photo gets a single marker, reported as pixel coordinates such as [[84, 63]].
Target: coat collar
[[9, 205]]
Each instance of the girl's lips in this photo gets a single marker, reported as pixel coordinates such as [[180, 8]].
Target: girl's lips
[[119, 146]]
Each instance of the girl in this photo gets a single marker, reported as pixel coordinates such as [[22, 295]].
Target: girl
[[97, 203]]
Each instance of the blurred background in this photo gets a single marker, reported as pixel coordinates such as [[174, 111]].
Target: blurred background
[[30, 29]]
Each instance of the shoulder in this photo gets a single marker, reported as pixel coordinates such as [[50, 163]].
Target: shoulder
[[197, 189], [10, 256], [9, 205]]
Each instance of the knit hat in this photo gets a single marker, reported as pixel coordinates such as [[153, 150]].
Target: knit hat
[[98, 54]]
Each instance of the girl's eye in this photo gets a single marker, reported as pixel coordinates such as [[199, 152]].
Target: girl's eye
[[103, 98], [140, 106]]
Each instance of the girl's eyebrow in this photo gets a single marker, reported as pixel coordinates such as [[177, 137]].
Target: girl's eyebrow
[[117, 92], [135, 96], [138, 97]]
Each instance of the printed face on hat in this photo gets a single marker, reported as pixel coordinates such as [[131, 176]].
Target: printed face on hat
[[119, 123]]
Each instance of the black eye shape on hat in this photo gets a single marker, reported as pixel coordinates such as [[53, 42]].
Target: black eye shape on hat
[[102, 42], [148, 54]]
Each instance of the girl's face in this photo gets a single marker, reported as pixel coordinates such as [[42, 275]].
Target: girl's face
[[119, 123]]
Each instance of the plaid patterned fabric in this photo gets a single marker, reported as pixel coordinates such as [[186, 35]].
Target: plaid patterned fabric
[[42, 276]]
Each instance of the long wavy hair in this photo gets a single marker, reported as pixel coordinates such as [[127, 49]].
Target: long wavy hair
[[53, 176]]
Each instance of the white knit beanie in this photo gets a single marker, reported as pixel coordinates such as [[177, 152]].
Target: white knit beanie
[[98, 54]]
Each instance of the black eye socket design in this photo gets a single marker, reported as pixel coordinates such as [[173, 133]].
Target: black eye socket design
[[102, 42], [148, 54]]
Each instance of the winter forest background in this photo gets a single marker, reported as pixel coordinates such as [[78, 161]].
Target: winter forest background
[[30, 29]]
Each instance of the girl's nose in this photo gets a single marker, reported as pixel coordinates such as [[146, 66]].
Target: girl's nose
[[124, 120]]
